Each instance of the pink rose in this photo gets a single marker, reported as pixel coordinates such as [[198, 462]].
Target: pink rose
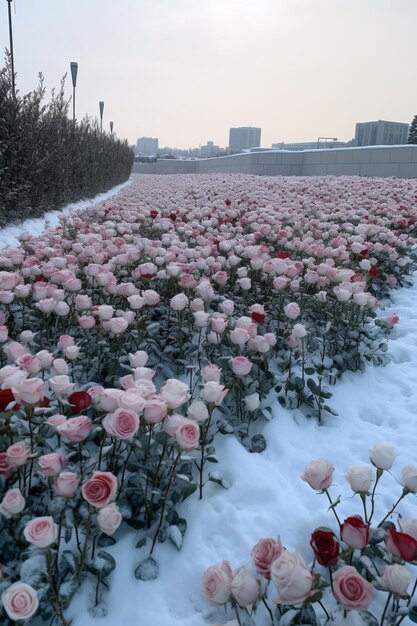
[[211, 373], [20, 601], [292, 310], [4, 465], [50, 464], [318, 474], [239, 336], [151, 297], [292, 578], [138, 358], [155, 410], [197, 411], [241, 366], [12, 503], [172, 423], [117, 325], [108, 399], [245, 588], [355, 532], [65, 341], [86, 322], [213, 392], [188, 435], [29, 391], [217, 581], [264, 552], [30, 363], [109, 519], [122, 424], [61, 385], [100, 489], [14, 351], [351, 590], [75, 429], [41, 532], [179, 302], [66, 484], [17, 454], [56, 420], [174, 393]]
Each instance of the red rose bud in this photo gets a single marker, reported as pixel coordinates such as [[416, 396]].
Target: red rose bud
[[401, 545], [79, 400], [154, 214], [373, 272], [228, 202], [325, 547], [282, 254], [44, 402], [355, 532], [173, 216], [258, 317], [6, 397]]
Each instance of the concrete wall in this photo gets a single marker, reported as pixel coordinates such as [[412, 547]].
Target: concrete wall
[[370, 161]]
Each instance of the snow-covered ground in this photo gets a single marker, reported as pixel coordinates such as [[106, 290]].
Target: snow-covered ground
[[267, 498], [37, 224]]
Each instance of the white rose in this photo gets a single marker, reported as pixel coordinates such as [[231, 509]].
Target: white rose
[[410, 478], [360, 478], [382, 456]]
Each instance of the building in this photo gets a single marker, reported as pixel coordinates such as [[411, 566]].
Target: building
[[311, 145], [381, 133], [209, 150], [146, 146], [244, 138]]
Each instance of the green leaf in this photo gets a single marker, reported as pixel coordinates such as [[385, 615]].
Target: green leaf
[[104, 562], [311, 384], [216, 477], [412, 614], [147, 569], [368, 618], [258, 443], [212, 458], [175, 536]]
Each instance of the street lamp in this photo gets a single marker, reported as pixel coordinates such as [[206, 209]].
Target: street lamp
[[101, 107], [74, 70], [326, 139], [111, 128], [11, 45]]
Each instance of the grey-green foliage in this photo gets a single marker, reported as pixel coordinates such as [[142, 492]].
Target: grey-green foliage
[[47, 160]]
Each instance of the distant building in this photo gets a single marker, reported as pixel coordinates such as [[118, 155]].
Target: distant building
[[244, 138], [311, 145], [146, 146], [209, 150], [381, 133]]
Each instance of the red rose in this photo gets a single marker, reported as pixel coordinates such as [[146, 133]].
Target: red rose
[[79, 400], [354, 532], [173, 217], [147, 276], [258, 317], [282, 254], [228, 202], [401, 545], [6, 396], [373, 272], [44, 402], [325, 547], [154, 214]]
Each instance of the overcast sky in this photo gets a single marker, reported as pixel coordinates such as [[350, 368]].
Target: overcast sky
[[185, 71]]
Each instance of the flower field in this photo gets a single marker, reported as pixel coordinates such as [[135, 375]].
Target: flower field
[[146, 333]]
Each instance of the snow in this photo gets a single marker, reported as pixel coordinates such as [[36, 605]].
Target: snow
[[267, 498], [51, 219]]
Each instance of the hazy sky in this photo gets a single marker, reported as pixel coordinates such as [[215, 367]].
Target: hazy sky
[[185, 71]]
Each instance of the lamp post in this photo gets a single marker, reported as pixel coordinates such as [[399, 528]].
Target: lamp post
[[74, 70], [101, 107], [111, 128], [9, 3], [326, 139]]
